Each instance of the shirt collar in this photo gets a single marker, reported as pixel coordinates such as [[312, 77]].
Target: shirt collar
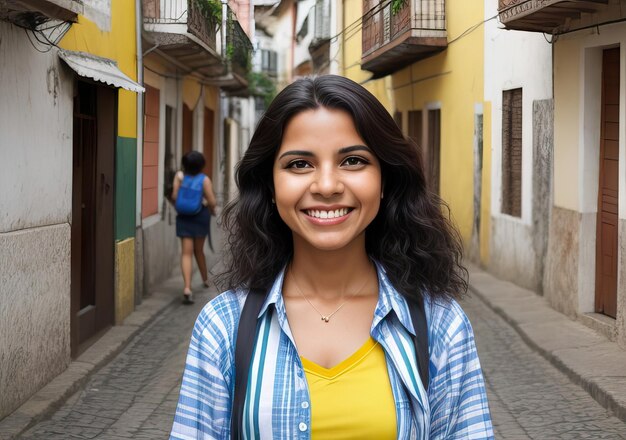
[[389, 299]]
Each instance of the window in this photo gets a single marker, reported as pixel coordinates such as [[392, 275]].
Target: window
[[512, 152], [429, 142], [150, 184], [169, 160], [268, 62], [433, 149]]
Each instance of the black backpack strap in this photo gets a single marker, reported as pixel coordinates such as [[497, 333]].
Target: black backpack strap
[[418, 317], [246, 336]]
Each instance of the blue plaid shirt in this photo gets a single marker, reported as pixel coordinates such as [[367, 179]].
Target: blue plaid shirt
[[277, 402]]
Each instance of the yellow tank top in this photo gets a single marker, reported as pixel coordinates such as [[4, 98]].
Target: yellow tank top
[[353, 399]]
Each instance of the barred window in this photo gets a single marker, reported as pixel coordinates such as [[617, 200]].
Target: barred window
[[512, 152]]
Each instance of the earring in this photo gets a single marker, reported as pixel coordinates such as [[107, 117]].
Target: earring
[[273, 201], [382, 195]]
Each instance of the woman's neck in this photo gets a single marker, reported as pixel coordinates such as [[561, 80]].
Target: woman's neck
[[331, 274]]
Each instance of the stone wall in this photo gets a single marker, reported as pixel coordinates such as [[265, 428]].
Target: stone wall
[[34, 311], [621, 286], [560, 282]]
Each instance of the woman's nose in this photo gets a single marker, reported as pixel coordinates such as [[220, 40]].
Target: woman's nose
[[327, 183]]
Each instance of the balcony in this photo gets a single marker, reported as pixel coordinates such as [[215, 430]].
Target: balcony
[[395, 39], [550, 16], [32, 13], [238, 57], [184, 33], [319, 48]]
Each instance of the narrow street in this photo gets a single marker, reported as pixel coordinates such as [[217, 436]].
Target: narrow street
[[528, 397], [135, 395]]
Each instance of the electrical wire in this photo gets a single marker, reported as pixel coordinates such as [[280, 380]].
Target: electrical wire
[[354, 32], [45, 40]]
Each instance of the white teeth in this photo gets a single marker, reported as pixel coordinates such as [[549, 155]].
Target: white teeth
[[327, 214]]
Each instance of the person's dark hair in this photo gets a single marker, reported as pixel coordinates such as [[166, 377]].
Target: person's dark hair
[[193, 163], [412, 236]]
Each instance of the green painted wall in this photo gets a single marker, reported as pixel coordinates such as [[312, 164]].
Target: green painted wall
[[125, 187]]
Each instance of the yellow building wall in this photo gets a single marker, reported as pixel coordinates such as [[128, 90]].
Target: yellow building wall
[[452, 80], [120, 45], [192, 92], [124, 279], [350, 53]]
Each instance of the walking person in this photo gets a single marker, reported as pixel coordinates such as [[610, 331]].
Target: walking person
[[195, 202], [341, 320]]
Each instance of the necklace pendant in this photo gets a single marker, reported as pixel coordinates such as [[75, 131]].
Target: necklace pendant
[[325, 318]]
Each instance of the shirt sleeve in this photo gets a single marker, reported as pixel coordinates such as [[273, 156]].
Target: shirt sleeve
[[458, 399], [204, 405]]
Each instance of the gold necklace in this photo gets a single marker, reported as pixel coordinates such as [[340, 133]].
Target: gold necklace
[[326, 318]]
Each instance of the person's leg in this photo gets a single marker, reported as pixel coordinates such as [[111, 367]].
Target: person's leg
[[186, 261], [198, 250]]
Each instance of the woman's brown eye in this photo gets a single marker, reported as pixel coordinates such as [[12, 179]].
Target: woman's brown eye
[[351, 161], [298, 164]]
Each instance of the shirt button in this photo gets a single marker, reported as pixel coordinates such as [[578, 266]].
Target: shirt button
[[302, 427], [299, 373], [305, 405]]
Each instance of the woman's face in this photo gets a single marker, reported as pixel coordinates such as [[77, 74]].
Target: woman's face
[[327, 182]]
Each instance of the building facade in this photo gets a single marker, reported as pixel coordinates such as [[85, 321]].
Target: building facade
[[68, 143], [584, 276], [518, 137], [100, 100]]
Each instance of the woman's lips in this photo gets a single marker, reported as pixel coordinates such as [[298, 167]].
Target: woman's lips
[[327, 216]]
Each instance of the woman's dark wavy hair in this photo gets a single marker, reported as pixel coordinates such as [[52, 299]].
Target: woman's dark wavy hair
[[412, 236]]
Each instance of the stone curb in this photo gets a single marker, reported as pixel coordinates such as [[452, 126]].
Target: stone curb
[[586, 357], [56, 392]]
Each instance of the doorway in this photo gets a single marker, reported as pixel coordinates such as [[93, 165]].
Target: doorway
[[92, 248], [607, 221]]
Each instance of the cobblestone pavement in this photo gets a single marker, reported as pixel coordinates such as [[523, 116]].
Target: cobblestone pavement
[[528, 397], [135, 395]]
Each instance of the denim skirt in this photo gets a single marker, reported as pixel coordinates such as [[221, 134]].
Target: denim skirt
[[193, 226]]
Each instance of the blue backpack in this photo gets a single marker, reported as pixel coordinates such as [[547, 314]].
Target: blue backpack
[[189, 199]]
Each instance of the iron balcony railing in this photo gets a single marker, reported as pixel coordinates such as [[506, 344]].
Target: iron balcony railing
[[193, 13], [381, 25], [238, 46]]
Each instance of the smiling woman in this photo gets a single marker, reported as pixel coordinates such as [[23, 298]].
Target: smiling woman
[[327, 183], [354, 269]]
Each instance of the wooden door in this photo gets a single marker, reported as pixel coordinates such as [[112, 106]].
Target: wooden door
[[607, 221], [92, 241], [433, 149], [208, 141]]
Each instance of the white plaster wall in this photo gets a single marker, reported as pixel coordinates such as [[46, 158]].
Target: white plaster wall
[[577, 93], [514, 59], [35, 215], [282, 41], [35, 134], [301, 51]]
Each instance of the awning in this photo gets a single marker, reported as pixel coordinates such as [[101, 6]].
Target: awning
[[99, 69]]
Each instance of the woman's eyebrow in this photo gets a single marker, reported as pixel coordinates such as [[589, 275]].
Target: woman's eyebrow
[[296, 153], [343, 150], [354, 148]]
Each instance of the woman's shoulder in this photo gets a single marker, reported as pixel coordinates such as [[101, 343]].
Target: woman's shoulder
[[225, 308], [447, 320], [219, 318]]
